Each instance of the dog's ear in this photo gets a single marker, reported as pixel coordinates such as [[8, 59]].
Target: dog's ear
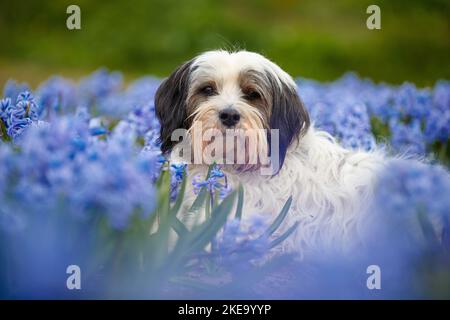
[[170, 104], [288, 115]]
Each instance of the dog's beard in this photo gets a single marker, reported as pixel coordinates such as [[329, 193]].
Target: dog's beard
[[241, 148]]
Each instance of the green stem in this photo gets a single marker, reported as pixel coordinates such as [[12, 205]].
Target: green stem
[[3, 134], [443, 153]]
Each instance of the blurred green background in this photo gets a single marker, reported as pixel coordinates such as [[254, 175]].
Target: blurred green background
[[316, 39]]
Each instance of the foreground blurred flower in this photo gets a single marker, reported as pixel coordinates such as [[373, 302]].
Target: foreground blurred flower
[[409, 187], [56, 95], [80, 188], [241, 245], [62, 160]]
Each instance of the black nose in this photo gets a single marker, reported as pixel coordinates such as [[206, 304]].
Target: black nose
[[229, 117]]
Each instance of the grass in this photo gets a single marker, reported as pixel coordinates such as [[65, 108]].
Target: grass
[[315, 39]]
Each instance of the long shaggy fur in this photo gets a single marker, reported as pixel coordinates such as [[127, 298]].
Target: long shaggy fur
[[330, 186]]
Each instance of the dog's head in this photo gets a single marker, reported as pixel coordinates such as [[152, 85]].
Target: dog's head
[[226, 91]]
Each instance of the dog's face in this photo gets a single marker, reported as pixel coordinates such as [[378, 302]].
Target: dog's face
[[239, 91]]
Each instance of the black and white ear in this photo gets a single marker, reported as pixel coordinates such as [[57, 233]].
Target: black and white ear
[[170, 104], [289, 116]]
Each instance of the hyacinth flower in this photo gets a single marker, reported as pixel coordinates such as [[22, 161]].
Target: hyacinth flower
[[437, 133], [56, 95], [412, 219], [235, 247], [99, 86], [178, 171], [12, 90], [96, 128], [412, 103], [238, 246], [143, 118], [21, 115], [214, 184], [353, 127], [438, 126], [138, 95], [97, 185], [408, 138]]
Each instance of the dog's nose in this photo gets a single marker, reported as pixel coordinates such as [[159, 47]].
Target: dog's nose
[[229, 117]]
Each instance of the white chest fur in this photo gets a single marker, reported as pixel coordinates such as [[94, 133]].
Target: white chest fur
[[330, 187]]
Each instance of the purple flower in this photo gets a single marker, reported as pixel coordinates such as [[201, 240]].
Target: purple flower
[[25, 102], [441, 95], [409, 192], [98, 86], [411, 102], [437, 126], [19, 116], [55, 95], [177, 170], [4, 105], [213, 183], [12, 90], [241, 244], [216, 172], [407, 138]]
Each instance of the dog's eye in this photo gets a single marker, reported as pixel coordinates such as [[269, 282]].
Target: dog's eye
[[252, 95], [207, 90]]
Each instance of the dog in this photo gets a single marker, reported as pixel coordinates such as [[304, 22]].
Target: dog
[[225, 91]]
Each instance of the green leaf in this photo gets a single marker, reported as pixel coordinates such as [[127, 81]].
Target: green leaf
[[3, 134], [240, 202], [284, 236], [179, 228], [208, 206], [176, 207], [199, 201], [205, 233], [279, 219], [427, 228], [201, 197], [193, 283]]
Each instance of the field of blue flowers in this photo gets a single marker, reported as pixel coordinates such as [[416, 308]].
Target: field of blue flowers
[[82, 182]]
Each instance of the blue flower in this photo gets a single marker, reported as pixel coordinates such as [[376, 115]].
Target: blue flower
[[12, 90], [240, 245], [216, 172], [19, 116], [407, 138], [437, 127], [4, 105], [411, 212], [213, 183], [98, 86], [411, 102], [178, 170], [441, 95], [25, 102], [56, 95], [65, 164]]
